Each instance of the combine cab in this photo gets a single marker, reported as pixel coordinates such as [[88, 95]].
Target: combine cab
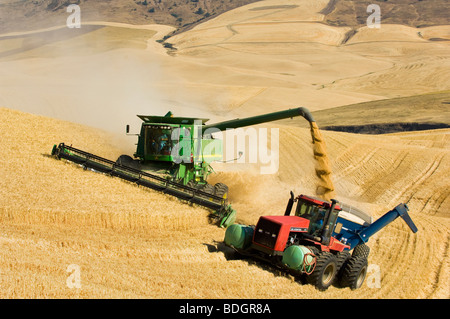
[[177, 149], [323, 242]]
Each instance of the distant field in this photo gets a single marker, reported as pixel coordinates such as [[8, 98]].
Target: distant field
[[426, 111], [412, 13], [28, 15]]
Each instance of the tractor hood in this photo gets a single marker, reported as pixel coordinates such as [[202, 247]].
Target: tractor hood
[[298, 223], [272, 232]]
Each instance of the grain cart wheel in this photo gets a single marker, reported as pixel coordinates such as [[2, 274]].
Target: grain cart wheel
[[325, 272], [354, 272], [221, 190], [361, 250]]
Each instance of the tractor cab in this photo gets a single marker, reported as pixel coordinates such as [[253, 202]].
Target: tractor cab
[[322, 216]]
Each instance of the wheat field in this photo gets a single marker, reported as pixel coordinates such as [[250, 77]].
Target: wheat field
[[130, 242], [58, 221]]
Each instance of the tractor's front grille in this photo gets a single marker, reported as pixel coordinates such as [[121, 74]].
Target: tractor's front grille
[[266, 233]]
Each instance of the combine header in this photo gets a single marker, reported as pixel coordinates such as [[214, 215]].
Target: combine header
[[173, 155], [223, 214]]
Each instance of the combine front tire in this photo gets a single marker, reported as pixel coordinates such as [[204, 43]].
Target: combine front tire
[[325, 271], [126, 160], [208, 188], [221, 190]]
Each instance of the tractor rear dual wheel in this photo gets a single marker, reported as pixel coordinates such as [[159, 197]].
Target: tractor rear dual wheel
[[342, 258]]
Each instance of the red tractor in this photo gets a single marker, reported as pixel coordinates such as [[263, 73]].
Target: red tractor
[[324, 241]]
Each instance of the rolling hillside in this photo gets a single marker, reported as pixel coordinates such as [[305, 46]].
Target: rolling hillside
[[16, 15], [83, 86], [134, 243]]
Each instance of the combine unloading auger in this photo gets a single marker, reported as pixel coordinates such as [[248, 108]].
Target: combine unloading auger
[[161, 164]]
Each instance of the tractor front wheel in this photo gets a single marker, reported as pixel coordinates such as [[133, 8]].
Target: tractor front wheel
[[325, 271]]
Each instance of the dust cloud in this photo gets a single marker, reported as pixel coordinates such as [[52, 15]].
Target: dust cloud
[[89, 76]]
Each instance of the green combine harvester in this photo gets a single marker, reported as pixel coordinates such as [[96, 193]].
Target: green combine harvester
[[173, 155]]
